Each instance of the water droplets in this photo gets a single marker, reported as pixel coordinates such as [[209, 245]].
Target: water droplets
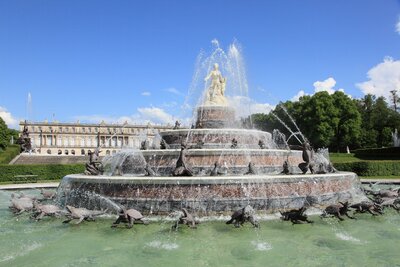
[[261, 246], [162, 245]]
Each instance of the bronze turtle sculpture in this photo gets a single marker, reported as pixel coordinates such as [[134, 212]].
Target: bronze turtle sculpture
[[296, 216], [129, 217], [337, 210], [367, 206], [81, 214], [48, 194], [45, 210], [243, 215], [186, 218], [20, 204]]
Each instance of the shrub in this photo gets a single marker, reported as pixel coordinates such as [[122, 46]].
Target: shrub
[[371, 168], [378, 153], [44, 172], [8, 154]]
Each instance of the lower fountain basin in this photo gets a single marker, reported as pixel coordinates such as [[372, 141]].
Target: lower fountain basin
[[236, 161], [209, 195]]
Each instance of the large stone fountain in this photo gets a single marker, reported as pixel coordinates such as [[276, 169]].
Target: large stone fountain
[[232, 167]]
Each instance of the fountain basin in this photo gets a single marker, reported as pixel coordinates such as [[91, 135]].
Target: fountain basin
[[217, 138], [210, 195], [236, 161]]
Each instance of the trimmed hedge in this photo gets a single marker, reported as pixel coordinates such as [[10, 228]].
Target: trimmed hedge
[[378, 153], [371, 168], [44, 172], [7, 155]]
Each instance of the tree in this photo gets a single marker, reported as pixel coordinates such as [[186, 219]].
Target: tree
[[348, 127], [395, 99], [4, 135]]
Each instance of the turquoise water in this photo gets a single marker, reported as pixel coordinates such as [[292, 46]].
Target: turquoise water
[[368, 241]]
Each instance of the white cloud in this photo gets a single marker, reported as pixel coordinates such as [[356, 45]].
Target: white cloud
[[145, 93], [298, 95], [170, 104], [8, 118], [245, 106], [156, 115], [151, 115], [382, 78], [173, 90], [326, 85], [398, 26]]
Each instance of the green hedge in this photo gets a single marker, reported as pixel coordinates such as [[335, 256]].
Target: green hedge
[[378, 153], [44, 172], [371, 168], [7, 155]]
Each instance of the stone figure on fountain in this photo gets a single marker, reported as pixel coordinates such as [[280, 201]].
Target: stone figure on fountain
[[216, 90], [177, 125], [308, 157], [94, 166], [144, 145], [182, 169], [24, 141]]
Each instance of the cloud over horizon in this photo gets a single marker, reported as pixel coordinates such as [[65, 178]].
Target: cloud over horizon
[[173, 90], [146, 93], [9, 119], [245, 106], [398, 25], [145, 115], [326, 85], [382, 78]]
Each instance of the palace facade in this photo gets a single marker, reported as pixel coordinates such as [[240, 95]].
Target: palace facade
[[55, 138]]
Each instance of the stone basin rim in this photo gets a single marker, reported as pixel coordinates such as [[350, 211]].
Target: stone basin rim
[[205, 179]]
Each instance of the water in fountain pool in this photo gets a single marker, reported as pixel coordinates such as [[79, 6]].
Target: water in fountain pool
[[369, 241]]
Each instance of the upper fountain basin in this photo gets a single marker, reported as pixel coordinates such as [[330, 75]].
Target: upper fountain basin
[[217, 138]]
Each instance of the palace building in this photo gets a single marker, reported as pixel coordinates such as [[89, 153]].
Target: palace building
[[55, 138]]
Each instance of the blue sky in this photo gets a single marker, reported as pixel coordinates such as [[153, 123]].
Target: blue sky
[[134, 60]]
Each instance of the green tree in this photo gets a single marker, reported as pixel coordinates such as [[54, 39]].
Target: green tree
[[348, 127], [318, 118], [368, 136], [4, 135], [14, 134]]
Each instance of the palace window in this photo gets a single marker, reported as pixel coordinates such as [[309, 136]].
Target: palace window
[[82, 142]]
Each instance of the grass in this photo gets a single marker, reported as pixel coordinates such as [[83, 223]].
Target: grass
[[343, 157], [7, 155]]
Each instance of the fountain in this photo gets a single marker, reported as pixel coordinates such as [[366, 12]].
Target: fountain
[[216, 166], [396, 139]]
